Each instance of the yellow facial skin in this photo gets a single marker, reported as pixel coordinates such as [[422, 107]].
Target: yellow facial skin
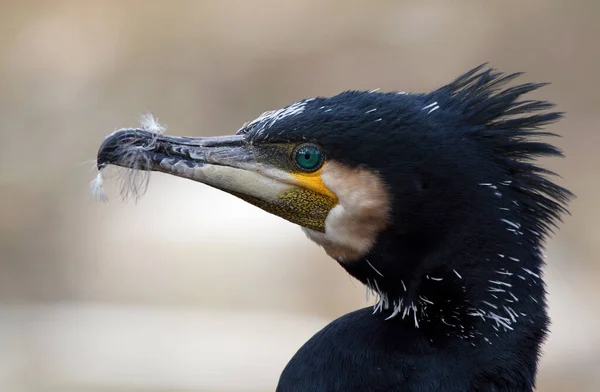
[[301, 206], [306, 203], [314, 182], [310, 203], [306, 208]]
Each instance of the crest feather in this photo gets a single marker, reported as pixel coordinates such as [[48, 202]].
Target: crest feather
[[510, 129]]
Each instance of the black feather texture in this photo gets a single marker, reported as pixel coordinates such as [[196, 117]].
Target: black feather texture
[[509, 129], [479, 105], [462, 301]]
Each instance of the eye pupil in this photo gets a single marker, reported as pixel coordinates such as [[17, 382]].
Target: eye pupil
[[308, 157]]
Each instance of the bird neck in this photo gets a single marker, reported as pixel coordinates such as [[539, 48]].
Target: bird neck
[[477, 279]]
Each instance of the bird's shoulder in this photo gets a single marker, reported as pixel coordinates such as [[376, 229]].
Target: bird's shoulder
[[362, 351]]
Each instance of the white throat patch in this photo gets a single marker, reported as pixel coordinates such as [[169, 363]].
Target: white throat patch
[[363, 211]]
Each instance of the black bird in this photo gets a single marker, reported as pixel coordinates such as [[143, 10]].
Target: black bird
[[433, 201]]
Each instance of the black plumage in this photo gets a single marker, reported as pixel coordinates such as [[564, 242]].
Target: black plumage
[[433, 201], [461, 263]]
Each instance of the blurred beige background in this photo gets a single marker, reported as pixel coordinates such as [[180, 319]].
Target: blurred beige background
[[191, 289]]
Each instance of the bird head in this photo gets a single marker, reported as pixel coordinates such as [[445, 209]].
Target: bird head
[[403, 190]]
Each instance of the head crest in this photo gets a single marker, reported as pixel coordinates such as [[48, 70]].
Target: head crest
[[509, 129]]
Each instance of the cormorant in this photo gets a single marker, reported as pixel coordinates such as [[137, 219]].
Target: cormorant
[[433, 201]]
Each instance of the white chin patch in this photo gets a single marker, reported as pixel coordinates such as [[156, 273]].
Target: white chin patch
[[363, 211]]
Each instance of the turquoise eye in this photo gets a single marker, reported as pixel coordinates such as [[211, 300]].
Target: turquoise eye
[[308, 157]]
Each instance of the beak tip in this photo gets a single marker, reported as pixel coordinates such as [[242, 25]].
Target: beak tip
[[105, 152], [111, 149]]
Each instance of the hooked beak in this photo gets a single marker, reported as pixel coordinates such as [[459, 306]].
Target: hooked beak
[[228, 163]]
